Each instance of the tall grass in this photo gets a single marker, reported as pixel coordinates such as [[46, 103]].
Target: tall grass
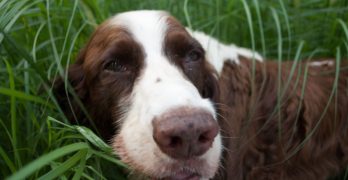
[[40, 38]]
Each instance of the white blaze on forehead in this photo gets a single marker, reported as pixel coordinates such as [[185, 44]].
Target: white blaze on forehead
[[147, 28]]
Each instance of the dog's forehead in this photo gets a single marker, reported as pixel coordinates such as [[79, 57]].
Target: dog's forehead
[[148, 28]]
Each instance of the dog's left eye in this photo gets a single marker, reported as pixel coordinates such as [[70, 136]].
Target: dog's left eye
[[116, 66], [194, 55]]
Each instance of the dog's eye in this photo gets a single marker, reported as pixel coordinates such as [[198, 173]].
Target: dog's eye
[[194, 55], [116, 66]]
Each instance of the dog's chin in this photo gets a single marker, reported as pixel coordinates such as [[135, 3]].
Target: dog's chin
[[193, 170]]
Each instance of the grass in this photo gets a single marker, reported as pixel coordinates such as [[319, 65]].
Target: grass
[[40, 38]]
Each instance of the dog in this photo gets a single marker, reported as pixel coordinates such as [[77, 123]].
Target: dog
[[178, 104]]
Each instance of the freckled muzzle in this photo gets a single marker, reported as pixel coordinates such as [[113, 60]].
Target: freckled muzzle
[[184, 133]]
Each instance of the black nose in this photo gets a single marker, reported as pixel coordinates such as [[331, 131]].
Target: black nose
[[184, 133]]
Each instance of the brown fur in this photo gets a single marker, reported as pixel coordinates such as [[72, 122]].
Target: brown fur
[[296, 142]]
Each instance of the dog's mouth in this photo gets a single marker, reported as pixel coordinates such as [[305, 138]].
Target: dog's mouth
[[193, 169], [183, 175]]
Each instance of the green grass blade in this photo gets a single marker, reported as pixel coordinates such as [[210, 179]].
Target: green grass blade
[[250, 24], [80, 169], [7, 160], [344, 27], [260, 22], [52, 41], [293, 68], [65, 166], [94, 139], [66, 39], [287, 23], [96, 172], [187, 14], [3, 3], [49, 118], [109, 158], [346, 173], [13, 115], [280, 47], [251, 32], [46, 159], [34, 49], [24, 96]]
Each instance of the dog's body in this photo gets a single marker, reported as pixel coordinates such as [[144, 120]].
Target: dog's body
[[157, 94], [302, 135]]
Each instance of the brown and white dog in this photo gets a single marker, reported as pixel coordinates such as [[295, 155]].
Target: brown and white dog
[[177, 104]]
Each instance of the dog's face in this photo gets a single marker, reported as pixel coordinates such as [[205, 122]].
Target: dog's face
[[143, 75]]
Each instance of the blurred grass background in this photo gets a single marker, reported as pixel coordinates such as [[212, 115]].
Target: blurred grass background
[[39, 38]]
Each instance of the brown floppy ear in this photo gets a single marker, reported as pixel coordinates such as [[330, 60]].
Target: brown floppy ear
[[65, 98], [69, 98]]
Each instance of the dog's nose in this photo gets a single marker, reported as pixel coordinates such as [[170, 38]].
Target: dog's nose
[[185, 133]]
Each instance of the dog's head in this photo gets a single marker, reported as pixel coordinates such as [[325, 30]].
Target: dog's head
[[150, 91]]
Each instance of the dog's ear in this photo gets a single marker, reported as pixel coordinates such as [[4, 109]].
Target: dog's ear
[[65, 98]]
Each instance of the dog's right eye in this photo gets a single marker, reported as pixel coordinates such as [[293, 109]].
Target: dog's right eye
[[116, 66], [193, 56]]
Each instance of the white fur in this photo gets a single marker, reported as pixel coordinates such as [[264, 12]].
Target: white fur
[[217, 53], [150, 99], [321, 63]]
